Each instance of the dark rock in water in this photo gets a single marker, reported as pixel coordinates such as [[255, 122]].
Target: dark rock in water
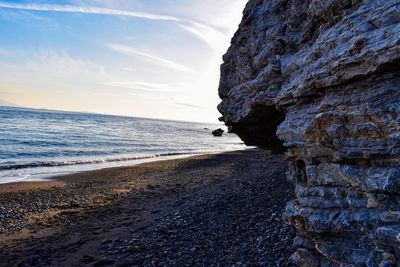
[[321, 78], [218, 132]]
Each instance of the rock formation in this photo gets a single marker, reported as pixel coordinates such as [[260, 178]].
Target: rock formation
[[322, 78], [218, 132]]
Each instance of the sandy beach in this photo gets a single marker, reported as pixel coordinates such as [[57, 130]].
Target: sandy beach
[[201, 211]]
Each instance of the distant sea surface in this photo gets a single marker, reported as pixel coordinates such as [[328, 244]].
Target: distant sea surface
[[38, 144]]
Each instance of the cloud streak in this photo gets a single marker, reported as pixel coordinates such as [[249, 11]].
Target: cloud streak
[[141, 86], [208, 34], [156, 60], [52, 61], [87, 10], [188, 105]]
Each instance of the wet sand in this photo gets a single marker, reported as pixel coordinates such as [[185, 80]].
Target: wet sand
[[200, 211]]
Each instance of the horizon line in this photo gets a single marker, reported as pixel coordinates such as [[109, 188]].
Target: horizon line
[[107, 114]]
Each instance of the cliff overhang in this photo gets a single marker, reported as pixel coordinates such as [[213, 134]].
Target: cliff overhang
[[321, 81]]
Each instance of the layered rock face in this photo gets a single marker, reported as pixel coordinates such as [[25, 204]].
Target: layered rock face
[[322, 78]]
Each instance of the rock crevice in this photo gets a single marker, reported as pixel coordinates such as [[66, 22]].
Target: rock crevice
[[320, 80]]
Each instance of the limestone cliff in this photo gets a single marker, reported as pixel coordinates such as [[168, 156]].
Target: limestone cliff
[[322, 78]]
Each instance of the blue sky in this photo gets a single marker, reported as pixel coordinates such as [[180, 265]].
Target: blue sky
[[150, 58]]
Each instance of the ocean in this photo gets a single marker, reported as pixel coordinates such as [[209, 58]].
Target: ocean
[[39, 144]]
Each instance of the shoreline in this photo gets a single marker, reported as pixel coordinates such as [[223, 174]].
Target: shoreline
[[62, 179], [65, 178], [121, 216], [66, 170]]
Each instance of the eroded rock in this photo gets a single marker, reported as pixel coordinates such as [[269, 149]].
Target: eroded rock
[[324, 77]]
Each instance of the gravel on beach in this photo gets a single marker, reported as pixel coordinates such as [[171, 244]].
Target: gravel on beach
[[211, 210]]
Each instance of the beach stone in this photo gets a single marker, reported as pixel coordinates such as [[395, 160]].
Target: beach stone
[[104, 262], [319, 80], [86, 259], [218, 132]]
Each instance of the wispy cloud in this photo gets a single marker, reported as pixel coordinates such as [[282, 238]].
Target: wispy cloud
[[52, 61], [141, 86], [159, 61], [134, 95], [128, 69], [22, 15], [188, 105], [143, 96], [86, 10], [209, 35]]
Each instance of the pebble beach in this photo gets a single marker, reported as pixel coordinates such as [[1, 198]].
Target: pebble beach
[[209, 210]]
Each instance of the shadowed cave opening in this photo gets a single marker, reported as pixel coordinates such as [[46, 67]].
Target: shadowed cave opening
[[259, 128]]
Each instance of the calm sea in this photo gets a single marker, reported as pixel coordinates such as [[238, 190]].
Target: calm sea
[[38, 144]]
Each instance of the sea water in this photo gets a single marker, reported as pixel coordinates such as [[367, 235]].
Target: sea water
[[38, 144]]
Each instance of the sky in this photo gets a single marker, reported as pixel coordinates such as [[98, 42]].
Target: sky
[[146, 58]]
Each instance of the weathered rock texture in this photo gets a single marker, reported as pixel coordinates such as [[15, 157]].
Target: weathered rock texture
[[323, 76]]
